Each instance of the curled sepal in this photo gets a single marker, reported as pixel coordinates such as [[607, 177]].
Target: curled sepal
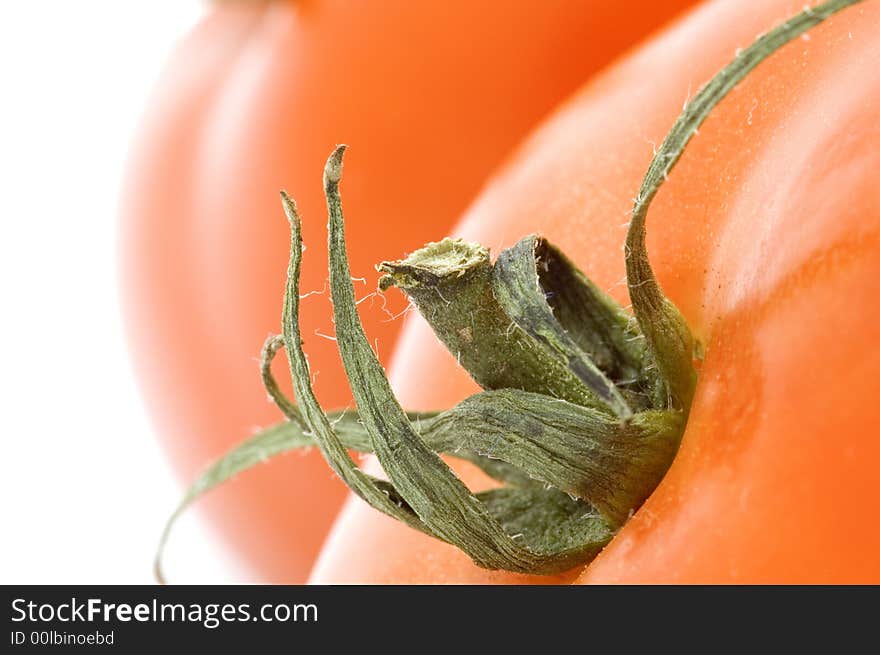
[[450, 283], [419, 475], [377, 493], [270, 348], [667, 334]]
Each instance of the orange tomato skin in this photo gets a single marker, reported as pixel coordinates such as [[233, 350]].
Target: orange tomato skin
[[766, 236], [430, 95]]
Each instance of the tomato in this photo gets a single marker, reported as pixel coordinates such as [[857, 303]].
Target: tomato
[[766, 237], [250, 103]]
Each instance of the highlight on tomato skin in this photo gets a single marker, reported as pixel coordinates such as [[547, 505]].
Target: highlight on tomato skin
[[765, 236], [249, 104]]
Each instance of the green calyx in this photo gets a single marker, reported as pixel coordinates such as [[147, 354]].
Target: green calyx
[[583, 405]]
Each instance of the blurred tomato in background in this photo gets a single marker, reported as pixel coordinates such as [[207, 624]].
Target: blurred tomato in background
[[429, 95]]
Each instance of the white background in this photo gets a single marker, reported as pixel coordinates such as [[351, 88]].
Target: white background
[[84, 488]]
